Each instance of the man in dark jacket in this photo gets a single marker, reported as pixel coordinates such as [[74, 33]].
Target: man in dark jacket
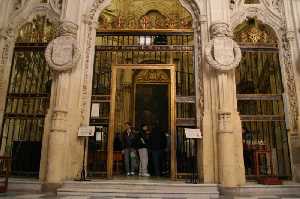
[[127, 140], [157, 143]]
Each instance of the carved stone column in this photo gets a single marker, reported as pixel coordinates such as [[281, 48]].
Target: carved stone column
[[7, 40], [291, 54], [223, 55], [62, 54]]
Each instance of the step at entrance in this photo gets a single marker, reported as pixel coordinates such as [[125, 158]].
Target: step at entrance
[[139, 189]]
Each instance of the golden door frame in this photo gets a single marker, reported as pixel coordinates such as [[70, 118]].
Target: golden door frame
[[115, 68]]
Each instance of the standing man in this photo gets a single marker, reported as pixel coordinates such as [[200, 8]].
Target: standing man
[[142, 146], [157, 145], [127, 140]]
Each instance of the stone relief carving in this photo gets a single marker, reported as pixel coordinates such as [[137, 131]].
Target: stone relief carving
[[225, 124], [18, 4], [291, 82], [8, 36], [152, 76], [56, 5], [222, 53], [274, 5], [63, 53]]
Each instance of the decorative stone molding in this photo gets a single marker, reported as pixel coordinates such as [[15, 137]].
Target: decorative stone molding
[[151, 76], [63, 53], [58, 118], [225, 122], [203, 19], [291, 81], [274, 6], [56, 5], [222, 53], [7, 34]]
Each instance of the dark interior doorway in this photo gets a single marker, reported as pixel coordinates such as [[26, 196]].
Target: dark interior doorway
[[152, 105]]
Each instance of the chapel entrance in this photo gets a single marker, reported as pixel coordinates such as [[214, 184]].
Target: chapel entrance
[[130, 46]]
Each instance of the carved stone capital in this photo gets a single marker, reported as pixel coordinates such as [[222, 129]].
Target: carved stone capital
[[222, 53], [62, 53], [68, 28], [219, 29]]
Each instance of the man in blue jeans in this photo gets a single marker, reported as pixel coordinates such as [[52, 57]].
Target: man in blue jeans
[[128, 138]]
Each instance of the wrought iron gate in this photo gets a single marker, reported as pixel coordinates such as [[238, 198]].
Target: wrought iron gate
[[27, 98], [144, 47], [260, 103]]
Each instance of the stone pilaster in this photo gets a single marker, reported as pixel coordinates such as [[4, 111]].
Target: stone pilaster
[[223, 55], [291, 44], [62, 55]]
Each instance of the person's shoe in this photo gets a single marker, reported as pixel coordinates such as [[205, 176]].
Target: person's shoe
[[132, 173], [128, 174], [146, 175], [140, 174]]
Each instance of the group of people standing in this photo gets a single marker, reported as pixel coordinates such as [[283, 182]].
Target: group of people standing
[[142, 145]]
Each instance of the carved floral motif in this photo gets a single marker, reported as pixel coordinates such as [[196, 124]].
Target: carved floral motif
[[255, 33]]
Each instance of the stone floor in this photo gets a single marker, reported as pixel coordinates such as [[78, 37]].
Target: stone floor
[[14, 195]]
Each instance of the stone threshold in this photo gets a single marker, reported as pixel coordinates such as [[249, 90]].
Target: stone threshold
[[121, 187]]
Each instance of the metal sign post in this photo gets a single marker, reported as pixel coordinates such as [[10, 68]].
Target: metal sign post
[[85, 132], [193, 134]]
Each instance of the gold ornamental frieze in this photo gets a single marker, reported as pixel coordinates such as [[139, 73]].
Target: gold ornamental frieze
[[146, 22], [145, 76]]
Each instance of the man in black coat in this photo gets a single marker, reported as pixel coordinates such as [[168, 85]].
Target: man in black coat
[[157, 142]]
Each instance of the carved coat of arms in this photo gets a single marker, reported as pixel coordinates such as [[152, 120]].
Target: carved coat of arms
[[223, 54], [62, 53], [223, 50]]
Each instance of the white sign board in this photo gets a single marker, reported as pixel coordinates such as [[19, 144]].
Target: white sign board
[[193, 133], [86, 131]]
